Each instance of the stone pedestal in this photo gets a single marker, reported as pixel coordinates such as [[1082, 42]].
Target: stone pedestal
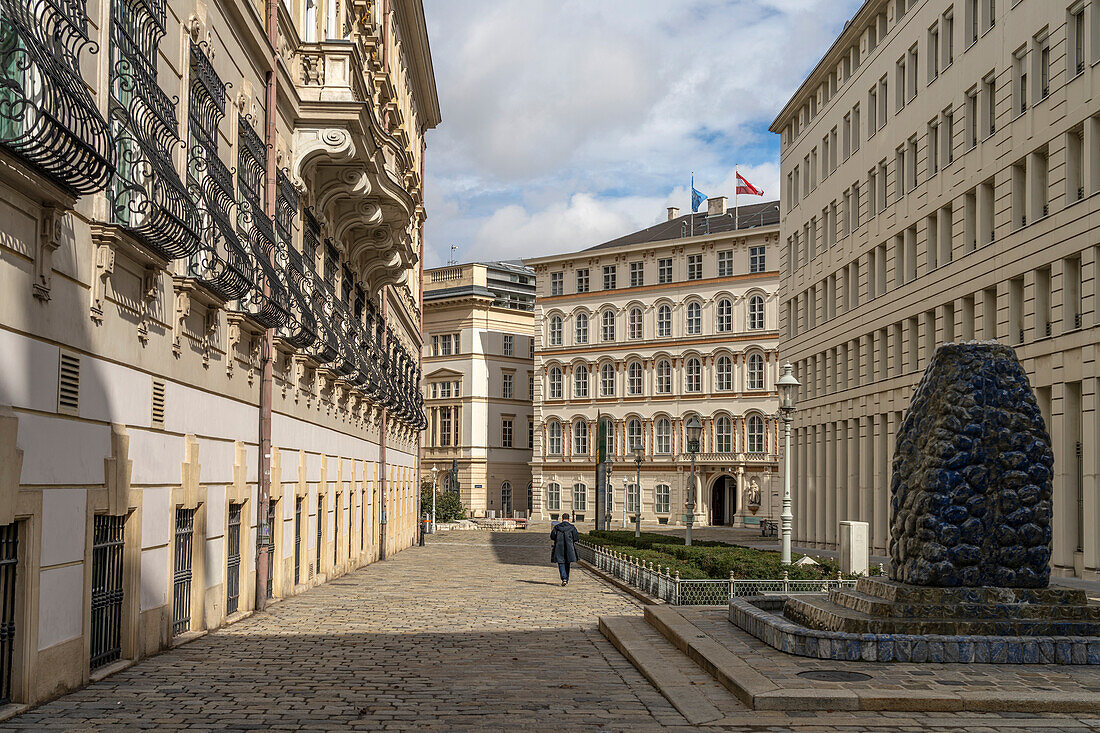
[[854, 548]]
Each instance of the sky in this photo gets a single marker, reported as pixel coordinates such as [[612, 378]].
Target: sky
[[567, 123]]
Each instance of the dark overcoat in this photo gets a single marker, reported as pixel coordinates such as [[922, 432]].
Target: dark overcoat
[[563, 536]]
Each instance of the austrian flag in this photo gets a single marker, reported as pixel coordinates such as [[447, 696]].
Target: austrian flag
[[744, 186]]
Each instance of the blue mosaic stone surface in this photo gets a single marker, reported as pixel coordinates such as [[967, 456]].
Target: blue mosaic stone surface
[[972, 475]]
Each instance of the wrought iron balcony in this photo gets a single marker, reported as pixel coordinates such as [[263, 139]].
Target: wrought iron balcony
[[47, 116], [302, 330]]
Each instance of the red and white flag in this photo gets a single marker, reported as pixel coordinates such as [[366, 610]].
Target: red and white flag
[[745, 187]]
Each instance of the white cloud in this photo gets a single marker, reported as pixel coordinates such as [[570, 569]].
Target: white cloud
[[569, 122]]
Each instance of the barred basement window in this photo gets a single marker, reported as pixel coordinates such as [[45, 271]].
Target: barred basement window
[[146, 195], [181, 579], [68, 384], [297, 540], [271, 548], [107, 591], [9, 565], [233, 560]]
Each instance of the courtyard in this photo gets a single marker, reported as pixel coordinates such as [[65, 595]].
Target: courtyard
[[471, 632]]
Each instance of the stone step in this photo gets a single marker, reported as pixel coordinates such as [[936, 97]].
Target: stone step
[[693, 692], [824, 614], [892, 590], [856, 600]]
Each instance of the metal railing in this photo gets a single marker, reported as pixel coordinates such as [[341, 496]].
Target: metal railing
[[671, 588]]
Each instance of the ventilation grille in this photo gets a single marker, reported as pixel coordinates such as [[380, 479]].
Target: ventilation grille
[[68, 384], [158, 403]]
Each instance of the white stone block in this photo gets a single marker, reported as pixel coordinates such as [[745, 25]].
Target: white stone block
[[854, 548]]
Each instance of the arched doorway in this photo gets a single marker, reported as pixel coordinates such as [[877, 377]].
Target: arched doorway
[[723, 501]]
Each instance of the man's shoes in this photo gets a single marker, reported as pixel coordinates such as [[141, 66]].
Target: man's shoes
[[565, 582]]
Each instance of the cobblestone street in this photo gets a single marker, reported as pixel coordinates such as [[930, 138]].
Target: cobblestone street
[[473, 632]]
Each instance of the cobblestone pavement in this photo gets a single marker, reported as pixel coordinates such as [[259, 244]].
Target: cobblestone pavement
[[473, 632]]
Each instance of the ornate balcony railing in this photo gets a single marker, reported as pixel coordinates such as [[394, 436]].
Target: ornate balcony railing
[[301, 327], [47, 116], [221, 262], [267, 300], [147, 196]]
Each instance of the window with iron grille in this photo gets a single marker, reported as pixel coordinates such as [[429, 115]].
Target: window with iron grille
[[233, 560], [298, 540], [336, 532], [181, 578], [271, 549], [321, 525], [107, 592], [9, 562]]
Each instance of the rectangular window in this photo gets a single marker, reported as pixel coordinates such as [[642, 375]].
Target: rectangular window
[[947, 131], [695, 267], [609, 277], [107, 590], [1019, 73], [530, 433], [1077, 41], [233, 560], [580, 497], [507, 385], [972, 118], [445, 345], [553, 497], [1016, 310], [1075, 165], [582, 280], [872, 188], [637, 275], [509, 344], [989, 313], [989, 108], [1042, 62], [725, 263], [899, 85], [1071, 293], [944, 235], [1019, 194], [970, 220], [913, 69], [899, 173], [933, 52], [853, 211], [911, 163], [1044, 320], [662, 500], [971, 21], [758, 259], [933, 147], [506, 432], [664, 270], [855, 129], [948, 38], [872, 111], [883, 97], [435, 346], [557, 283]]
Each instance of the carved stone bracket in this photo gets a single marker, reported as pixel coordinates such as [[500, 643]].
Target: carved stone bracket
[[179, 319], [190, 471], [49, 239], [11, 464], [104, 268], [117, 471], [209, 335], [150, 290]]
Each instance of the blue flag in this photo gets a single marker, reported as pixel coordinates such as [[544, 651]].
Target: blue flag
[[697, 197]]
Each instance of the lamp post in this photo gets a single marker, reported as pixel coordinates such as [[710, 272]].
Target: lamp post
[[638, 453], [435, 473], [788, 387], [626, 497], [694, 427]]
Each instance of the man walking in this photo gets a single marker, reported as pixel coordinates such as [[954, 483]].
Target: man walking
[[563, 535]]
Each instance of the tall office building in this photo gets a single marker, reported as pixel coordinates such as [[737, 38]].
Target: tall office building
[[941, 166]]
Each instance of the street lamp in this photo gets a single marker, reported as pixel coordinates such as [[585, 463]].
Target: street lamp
[[626, 497], [788, 387], [638, 453], [694, 427], [435, 473]]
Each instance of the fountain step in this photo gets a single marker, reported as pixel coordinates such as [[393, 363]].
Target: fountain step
[[856, 600], [897, 592], [824, 614]]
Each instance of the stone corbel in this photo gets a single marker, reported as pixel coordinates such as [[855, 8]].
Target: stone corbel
[[49, 239], [209, 335], [179, 319], [104, 268], [150, 289], [190, 471], [233, 331], [117, 471], [255, 353], [11, 464]]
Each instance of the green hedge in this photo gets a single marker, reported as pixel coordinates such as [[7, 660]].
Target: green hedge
[[708, 559]]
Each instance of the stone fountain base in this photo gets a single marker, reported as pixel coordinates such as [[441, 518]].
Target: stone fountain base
[[887, 621]]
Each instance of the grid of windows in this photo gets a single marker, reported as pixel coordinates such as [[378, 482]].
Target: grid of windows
[[664, 436], [695, 267], [580, 438], [582, 281], [506, 432], [693, 371], [553, 439], [694, 319], [725, 263], [607, 380], [634, 323], [609, 277], [664, 377], [607, 326], [581, 328], [507, 386], [664, 321], [758, 259], [662, 499], [637, 274], [724, 321], [634, 378], [664, 270], [580, 381], [554, 336], [509, 345], [553, 497]]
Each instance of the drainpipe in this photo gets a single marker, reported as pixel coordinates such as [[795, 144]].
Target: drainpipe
[[382, 483], [420, 356], [267, 350]]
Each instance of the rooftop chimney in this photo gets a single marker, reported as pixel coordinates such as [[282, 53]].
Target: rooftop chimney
[[673, 212], [716, 205]]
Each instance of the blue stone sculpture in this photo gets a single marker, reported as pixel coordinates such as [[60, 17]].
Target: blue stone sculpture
[[971, 487]]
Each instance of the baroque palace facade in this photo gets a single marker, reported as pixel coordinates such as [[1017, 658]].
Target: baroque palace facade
[[479, 384], [646, 330], [209, 314], [942, 173]]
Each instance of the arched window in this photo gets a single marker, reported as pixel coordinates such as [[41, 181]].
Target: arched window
[[634, 437], [756, 312], [664, 377], [693, 372], [580, 381], [607, 324], [756, 372], [664, 436], [634, 378], [664, 321], [662, 499], [580, 438], [506, 499], [581, 328], [756, 434], [694, 319], [723, 374], [580, 497], [555, 383], [553, 439], [607, 380], [554, 334], [553, 497], [634, 323], [723, 430], [724, 321]]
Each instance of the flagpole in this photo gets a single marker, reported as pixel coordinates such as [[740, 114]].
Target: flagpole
[[735, 185], [691, 213]]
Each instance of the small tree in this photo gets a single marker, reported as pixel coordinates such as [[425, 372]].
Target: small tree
[[448, 507]]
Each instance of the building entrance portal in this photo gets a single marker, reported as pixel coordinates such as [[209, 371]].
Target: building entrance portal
[[723, 497]]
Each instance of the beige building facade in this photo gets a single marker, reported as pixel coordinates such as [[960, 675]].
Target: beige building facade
[[941, 169], [645, 331], [478, 380], [209, 294]]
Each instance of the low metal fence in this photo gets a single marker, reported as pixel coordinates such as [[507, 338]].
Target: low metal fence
[[671, 588]]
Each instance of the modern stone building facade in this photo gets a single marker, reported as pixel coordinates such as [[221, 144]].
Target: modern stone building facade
[[646, 330], [209, 305], [478, 382], [941, 169]]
